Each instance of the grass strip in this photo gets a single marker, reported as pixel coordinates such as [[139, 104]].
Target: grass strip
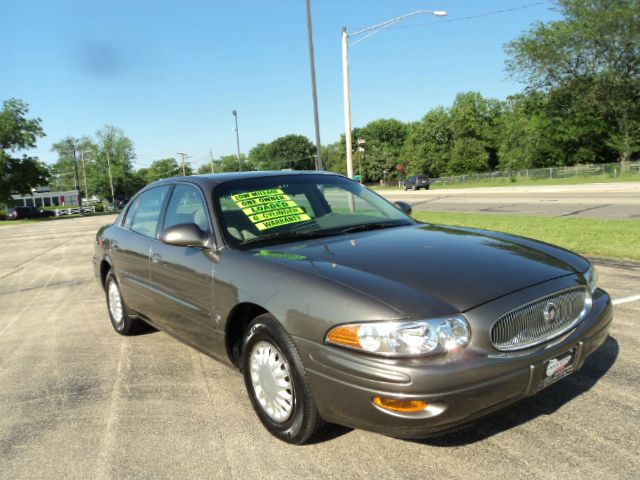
[[619, 239]]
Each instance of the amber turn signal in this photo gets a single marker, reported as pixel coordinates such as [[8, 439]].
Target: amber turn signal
[[405, 406], [346, 335]]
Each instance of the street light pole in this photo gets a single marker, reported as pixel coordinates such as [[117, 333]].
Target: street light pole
[[235, 116], [314, 93], [366, 32], [347, 102]]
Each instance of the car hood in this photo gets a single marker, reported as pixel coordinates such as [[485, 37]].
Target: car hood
[[428, 269]]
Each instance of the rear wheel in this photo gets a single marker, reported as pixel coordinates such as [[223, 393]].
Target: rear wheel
[[118, 311], [276, 382]]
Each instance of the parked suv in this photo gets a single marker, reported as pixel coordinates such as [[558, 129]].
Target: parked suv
[[417, 182], [18, 213]]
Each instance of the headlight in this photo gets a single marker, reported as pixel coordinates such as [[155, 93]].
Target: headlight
[[403, 339], [591, 276]]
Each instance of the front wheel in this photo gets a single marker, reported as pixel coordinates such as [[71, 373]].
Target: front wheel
[[276, 382], [121, 319]]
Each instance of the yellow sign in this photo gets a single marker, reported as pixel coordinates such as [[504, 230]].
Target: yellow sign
[[261, 200], [270, 208], [256, 194], [275, 213], [278, 222]]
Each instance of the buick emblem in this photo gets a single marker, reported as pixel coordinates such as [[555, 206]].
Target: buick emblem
[[550, 313]]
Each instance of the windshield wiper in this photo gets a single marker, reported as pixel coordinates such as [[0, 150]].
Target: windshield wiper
[[321, 233], [288, 236], [372, 226]]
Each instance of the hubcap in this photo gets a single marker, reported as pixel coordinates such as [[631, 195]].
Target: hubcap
[[115, 303], [271, 380]]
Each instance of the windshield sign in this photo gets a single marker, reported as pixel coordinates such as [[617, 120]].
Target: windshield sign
[[287, 208]]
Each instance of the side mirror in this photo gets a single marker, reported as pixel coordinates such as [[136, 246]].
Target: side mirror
[[404, 207], [184, 235]]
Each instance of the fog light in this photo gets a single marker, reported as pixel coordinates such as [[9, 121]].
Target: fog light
[[396, 405]]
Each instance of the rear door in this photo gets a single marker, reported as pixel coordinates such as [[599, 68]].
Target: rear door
[[131, 244], [181, 278]]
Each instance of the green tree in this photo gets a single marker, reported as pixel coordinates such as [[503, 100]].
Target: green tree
[[475, 130], [384, 139], [166, 168], [290, 151], [114, 149], [334, 157], [593, 49], [17, 132], [427, 148]]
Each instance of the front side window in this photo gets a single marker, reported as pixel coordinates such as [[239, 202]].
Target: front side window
[[186, 206], [144, 214], [284, 208]]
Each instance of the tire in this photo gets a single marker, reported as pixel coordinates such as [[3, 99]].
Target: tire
[[405, 188], [120, 316], [295, 418], [414, 188]]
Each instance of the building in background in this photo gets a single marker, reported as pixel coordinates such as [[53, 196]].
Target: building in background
[[44, 197]]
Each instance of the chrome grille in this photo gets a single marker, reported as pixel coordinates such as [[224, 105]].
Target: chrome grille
[[536, 322]]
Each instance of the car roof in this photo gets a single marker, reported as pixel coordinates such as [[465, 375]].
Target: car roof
[[212, 179]]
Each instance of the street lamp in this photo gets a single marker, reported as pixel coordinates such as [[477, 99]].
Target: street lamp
[[314, 93], [235, 116], [366, 33]]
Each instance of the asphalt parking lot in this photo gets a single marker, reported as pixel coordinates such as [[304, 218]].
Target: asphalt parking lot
[[593, 200], [79, 401]]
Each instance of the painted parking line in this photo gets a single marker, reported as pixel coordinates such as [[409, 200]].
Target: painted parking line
[[632, 298]]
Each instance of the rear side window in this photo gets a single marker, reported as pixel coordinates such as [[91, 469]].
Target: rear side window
[[186, 206], [144, 214]]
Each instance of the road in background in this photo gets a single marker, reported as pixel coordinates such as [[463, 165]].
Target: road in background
[[600, 200], [79, 401]]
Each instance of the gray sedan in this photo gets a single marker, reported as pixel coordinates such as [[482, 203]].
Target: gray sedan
[[338, 307]]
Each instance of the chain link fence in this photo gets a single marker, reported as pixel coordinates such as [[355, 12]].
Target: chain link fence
[[595, 171]]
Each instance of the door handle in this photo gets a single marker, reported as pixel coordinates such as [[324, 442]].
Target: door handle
[[155, 258]]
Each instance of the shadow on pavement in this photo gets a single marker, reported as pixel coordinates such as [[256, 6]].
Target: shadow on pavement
[[545, 402]]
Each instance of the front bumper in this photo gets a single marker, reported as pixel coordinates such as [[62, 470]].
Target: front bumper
[[459, 389]]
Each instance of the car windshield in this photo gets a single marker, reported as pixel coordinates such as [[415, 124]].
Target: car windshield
[[292, 207]]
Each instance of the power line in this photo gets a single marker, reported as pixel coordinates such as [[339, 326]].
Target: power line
[[473, 17]]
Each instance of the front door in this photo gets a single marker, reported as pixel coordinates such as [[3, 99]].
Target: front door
[[182, 277]]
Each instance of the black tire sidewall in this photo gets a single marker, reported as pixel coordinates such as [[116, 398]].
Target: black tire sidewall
[[120, 328], [266, 328]]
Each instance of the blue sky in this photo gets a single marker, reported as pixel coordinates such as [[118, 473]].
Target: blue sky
[[170, 73]]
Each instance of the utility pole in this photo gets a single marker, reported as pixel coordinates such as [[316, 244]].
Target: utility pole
[[211, 159], [235, 116], [347, 101], [75, 169], [84, 174], [184, 169], [113, 197], [314, 92]]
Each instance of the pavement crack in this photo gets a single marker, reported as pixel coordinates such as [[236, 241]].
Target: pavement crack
[[20, 265], [111, 417], [584, 210], [210, 399]]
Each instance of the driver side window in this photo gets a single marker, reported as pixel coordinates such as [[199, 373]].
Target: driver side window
[[186, 206]]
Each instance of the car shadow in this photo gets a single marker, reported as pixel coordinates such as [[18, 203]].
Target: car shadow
[[142, 328], [545, 402]]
